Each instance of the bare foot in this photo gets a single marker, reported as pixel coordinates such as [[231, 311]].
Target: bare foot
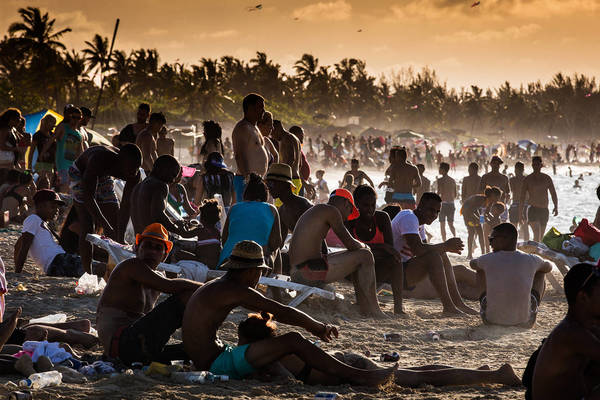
[[9, 327], [507, 376], [82, 325], [377, 377], [451, 312], [24, 365], [484, 368], [467, 310]]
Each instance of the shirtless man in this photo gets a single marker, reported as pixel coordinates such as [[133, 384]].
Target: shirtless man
[[358, 174], [403, 179], [535, 190], [248, 144], [425, 183], [131, 327], [446, 188], [146, 140], [94, 197], [423, 260], [289, 152], [567, 364], [470, 183], [496, 178], [164, 144], [212, 303], [149, 198], [279, 183], [311, 267], [516, 183], [130, 132], [265, 125], [512, 282]]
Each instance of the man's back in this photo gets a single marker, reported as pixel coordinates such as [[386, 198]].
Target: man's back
[[143, 196], [248, 147], [537, 186], [446, 188], [509, 280], [403, 176]]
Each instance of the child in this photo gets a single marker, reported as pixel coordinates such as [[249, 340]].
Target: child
[[348, 183], [492, 219], [322, 188], [566, 365], [209, 247]]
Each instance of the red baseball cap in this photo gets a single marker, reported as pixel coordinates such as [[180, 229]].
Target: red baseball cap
[[348, 196]]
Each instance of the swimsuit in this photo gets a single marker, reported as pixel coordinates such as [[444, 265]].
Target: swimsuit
[[105, 187], [538, 214], [447, 211], [232, 362], [311, 272], [377, 237]]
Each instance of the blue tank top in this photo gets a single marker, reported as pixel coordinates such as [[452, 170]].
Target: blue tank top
[[249, 220], [67, 148]]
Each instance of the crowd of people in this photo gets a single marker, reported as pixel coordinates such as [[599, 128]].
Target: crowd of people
[[279, 220]]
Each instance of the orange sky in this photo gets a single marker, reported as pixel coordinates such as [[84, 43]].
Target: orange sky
[[515, 40]]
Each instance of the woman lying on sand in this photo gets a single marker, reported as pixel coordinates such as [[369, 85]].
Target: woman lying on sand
[[261, 326]]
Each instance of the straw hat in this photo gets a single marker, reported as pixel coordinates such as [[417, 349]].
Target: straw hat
[[157, 232], [245, 254], [280, 172]]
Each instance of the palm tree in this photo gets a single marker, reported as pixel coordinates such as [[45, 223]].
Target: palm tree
[[306, 68], [74, 66], [96, 54]]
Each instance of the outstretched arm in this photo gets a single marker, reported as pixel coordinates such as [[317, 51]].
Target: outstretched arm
[[21, 249], [151, 279], [554, 196]]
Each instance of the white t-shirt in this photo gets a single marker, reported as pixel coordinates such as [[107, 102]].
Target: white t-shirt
[[43, 248], [406, 223], [509, 280]]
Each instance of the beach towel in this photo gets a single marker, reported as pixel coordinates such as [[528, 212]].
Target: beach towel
[[49, 349]]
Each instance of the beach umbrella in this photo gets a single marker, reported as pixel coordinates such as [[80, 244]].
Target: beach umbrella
[[527, 144], [408, 134], [374, 132], [32, 125]]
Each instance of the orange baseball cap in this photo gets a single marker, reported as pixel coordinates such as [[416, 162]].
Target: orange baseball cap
[[348, 196], [157, 232]]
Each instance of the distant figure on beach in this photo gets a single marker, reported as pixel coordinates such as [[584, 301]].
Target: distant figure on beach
[[576, 185], [216, 179], [310, 266], [402, 179], [514, 282], [289, 153], [248, 144], [265, 125], [470, 183], [212, 139], [516, 184], [473, 211], [164, 144], [535, 188], [348, 183], [495, 178], [131, 326], [425, 183], [564, 367], [358, 174], [44, 141], [421, 260], [446, 188], [321, 187], [40, 242], [130, 132], [94, 197], [146, 140], [212, 303]]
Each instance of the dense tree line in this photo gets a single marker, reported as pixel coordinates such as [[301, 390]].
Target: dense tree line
[[38, 71]]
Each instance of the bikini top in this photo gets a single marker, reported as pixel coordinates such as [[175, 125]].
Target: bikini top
[[377, 237]]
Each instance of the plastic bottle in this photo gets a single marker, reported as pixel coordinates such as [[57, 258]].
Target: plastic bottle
[[198, 377], [50, 319], [394, 356], [326, 396], [42, 379], [433, 335]]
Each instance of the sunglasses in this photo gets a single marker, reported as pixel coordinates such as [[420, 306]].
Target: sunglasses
[[595, 272]]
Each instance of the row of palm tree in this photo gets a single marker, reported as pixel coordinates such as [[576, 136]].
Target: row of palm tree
[[38, 71]]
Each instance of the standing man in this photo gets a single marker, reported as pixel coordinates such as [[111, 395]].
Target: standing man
[[470, 183], [146, 140], [516, 183], [425, 183], [358, 174], [403, 179], [535, 188], [289, 152], [130, 132], [446, 188], [496, 178], [94, 196], [86, 115], [248, 144], [307, 190]]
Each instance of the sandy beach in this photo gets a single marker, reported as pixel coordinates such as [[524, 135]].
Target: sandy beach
[[464, 342]]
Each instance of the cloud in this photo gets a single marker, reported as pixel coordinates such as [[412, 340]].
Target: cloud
[[156, 32], [78, 22], [217, 34], [512, 33], [338, 10]]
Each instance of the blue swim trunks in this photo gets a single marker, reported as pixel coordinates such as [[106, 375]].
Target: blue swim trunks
[[239, 184], [403, 197], [232, 362]]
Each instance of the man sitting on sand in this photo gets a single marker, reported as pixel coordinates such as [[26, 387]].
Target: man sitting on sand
[[130, 325], [38, 239], [311, 267], [567, 363], [94, 196], [514, 281], [212, 303], [422, 259]]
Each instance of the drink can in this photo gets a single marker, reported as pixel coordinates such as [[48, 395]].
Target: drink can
[[326, 395]]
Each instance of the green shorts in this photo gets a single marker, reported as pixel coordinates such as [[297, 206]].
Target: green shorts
[[232, 362]]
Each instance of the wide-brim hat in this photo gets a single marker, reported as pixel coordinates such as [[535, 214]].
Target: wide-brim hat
[[280, 172], [157, 232], [245, 255]]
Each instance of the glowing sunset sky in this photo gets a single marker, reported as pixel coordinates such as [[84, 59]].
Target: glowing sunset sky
[[515, 40]]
